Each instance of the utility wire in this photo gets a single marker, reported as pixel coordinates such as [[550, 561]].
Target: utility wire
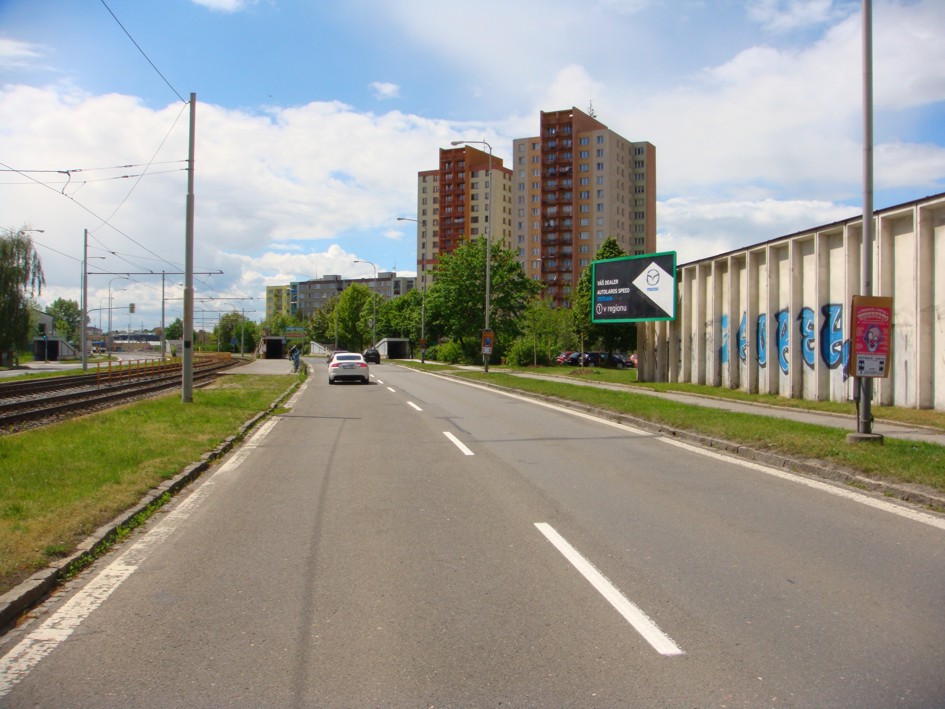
[[140, 177], [82, 206], [100, 169], [143, 54]]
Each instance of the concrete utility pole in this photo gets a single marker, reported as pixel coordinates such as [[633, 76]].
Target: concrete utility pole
[[187, 363], [864, 424]]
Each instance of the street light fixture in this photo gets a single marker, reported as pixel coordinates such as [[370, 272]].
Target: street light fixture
[[373, 301], [485, 357]]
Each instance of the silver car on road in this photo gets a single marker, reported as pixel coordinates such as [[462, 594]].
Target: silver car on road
[[348, 366]]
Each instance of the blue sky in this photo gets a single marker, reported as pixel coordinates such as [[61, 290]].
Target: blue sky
[[314, 117]]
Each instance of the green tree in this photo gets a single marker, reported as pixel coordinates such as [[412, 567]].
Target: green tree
[[366, 325], [321, 326], [235, 333], [174, 331], [349, 315], [68, 318], [276, 325], [21, 277], [547, 330], [456, 300], [402, 316]]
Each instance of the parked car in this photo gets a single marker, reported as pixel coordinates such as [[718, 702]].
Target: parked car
[[616, 360], [563, 357], [372, 355], [573, 359], [348, 366], [604, 359]]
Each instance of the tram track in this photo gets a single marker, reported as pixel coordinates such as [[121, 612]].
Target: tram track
[[39, 402]]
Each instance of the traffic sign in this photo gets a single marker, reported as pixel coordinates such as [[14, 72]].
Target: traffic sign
[[488, 340], [634, 288]]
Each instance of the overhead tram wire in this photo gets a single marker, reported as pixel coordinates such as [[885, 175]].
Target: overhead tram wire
[[138, 181], [82, 206], [163, 78]]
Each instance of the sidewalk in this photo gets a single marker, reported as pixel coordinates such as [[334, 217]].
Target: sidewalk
[[263, 366]]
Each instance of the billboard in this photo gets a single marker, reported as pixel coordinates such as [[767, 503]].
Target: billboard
[[634, 288]]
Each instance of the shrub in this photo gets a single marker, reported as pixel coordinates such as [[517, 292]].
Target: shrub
[[450, 352]]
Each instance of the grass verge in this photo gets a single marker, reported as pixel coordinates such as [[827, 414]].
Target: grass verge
[[60, 483]]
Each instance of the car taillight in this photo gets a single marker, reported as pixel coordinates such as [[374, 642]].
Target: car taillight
[[362, 364]]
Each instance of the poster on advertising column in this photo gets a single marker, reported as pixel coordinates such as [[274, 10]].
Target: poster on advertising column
[[871, 335]]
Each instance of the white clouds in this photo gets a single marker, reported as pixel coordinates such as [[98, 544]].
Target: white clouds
[[571, 86], [383, 90], [224, 5], [271, 190], [18, 54], [790, 15], [698, 229]]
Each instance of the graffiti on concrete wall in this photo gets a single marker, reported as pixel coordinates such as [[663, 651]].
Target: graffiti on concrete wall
[[834, 350]]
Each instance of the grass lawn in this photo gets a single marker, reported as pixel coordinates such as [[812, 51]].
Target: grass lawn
[[61, 482]]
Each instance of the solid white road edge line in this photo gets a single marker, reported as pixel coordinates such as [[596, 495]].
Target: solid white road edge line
[[660, 642], [853, 496], [458, 443], [850, 495], [38, 644], [410, 403]]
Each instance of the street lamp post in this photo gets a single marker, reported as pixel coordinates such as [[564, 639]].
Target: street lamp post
[[373, 301], [108, 336], [423, 305], [485, 357]]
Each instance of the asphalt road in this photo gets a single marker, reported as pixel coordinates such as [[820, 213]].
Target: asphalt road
[[420, 542]]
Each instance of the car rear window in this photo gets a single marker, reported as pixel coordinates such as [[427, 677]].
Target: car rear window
[[348, 357]]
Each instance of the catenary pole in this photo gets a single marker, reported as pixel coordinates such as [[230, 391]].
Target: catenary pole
[[83, 337], [865, 421], [187, 365]]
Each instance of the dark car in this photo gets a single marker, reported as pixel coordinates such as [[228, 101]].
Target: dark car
[[593, 359], [372, 355], [604, 359], [618, 361], [573, 359]]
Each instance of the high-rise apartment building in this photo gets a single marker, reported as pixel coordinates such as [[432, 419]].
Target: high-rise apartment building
[[574, 185], [279, 301], [570, 188], [456, 203]]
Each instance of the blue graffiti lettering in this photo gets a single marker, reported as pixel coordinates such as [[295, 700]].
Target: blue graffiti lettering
[[742, 338], [831, 335], [784, 342], [761, 334], [808, 335], [723, 350]]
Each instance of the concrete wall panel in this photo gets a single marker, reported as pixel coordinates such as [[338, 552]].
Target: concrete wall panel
[[774, 317]]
